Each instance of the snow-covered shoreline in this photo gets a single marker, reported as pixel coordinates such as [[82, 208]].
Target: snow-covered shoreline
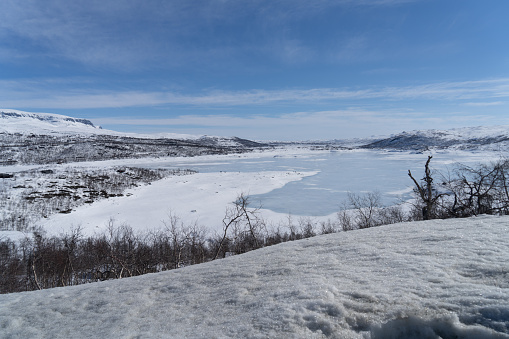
[[206, 195], [276, 152], [199, 198]]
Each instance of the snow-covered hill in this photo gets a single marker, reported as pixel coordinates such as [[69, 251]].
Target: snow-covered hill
[[20, 122], [434, 279], [14, 121], [40, 138], [469, 138]]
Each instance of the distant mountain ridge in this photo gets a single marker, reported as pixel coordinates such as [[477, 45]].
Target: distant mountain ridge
[[14, 121], [43, 138], [467, 138], [46, 117]]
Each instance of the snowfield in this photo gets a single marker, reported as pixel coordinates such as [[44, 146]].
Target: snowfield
[[200, 198], [433, 279], [15, 121]]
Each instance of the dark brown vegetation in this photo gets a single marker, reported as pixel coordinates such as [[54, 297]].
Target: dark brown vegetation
[[41, 262], [467, 191]]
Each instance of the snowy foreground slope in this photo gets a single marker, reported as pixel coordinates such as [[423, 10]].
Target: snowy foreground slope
[[432, 279]]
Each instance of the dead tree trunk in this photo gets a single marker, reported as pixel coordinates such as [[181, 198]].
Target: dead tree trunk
[[428, 196]]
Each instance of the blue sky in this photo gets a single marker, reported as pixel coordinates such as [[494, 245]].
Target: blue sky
[[278, 69]]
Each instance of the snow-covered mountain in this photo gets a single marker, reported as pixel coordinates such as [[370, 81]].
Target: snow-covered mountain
[[20, 122], [434, 279], [14, 121], [40, 138], [469, 138]]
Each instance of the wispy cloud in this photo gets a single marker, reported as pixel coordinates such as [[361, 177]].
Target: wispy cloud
[[131, 34], [483, 104], [38, 95]]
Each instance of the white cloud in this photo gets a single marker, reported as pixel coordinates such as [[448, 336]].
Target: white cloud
[[482, 104], [30, 94]]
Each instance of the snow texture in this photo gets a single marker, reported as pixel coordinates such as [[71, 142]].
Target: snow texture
[[434, 279]]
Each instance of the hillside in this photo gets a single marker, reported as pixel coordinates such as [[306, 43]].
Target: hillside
[[44, 138], [468, 138], [14, 121], [435, 279]]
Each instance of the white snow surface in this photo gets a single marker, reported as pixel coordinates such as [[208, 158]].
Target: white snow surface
[[434, 279], [15, 236], [200, 198], [14, 121]]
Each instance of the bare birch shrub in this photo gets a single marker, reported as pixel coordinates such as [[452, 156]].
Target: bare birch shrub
[[243, 228]]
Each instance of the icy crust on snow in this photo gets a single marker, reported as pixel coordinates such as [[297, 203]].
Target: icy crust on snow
[[434, 279]]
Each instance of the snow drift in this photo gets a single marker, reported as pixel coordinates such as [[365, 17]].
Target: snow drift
[[434, 279]]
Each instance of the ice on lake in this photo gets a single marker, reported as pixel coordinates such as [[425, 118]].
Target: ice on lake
[[358, 171]]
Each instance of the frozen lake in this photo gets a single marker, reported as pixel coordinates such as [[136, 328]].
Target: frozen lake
[[291, 181], [340, 172]]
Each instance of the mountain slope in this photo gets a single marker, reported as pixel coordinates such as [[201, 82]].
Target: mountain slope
[[441, 278], [13, 121], [469, 138], [43, 138]]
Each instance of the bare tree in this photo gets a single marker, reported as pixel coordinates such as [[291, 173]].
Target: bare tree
[[328, 227], [427, 193], [178, 235], [366, 208], [479, 190], [345, 218], [307, 227], [243, 224]]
